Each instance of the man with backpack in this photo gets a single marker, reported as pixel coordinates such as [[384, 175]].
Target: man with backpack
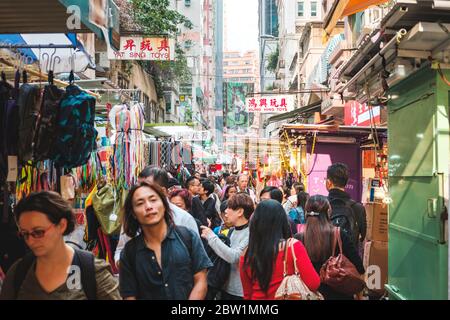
[[346, 213]]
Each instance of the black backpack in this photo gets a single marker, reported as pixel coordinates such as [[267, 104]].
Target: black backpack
[[28, 104], [10, 118], [343, 216], [220, 271], [46, 128], [86, 263]]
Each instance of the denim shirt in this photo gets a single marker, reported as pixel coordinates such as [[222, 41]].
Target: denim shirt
[[174, 280]]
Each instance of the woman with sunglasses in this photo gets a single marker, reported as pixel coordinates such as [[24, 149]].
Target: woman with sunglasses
[[54, 270]]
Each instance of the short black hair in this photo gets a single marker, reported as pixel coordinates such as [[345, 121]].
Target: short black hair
[[337, 173], [160, 176], [173, 182], [208, 186], [49, 203], [277, 195], [267, 189], [189, 181]]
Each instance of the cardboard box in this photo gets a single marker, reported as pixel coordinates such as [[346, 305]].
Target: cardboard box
[[376, 264], [377, 221]]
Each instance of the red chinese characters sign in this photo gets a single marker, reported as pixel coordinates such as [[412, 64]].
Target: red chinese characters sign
[[358, 115], [140, 48], [270, 104]]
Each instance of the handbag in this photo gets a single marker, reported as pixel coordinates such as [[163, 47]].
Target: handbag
[[339, 273], [292, 287], [108, 203]]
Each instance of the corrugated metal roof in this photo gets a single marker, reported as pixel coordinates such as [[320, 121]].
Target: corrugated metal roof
[[34, 16]]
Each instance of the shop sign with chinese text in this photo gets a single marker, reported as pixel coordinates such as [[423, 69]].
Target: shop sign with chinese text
[[192, 136], [141, 48], [270, 104], [358, 115]]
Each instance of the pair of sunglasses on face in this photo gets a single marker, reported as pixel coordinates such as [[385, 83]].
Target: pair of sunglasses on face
[[36, 234]]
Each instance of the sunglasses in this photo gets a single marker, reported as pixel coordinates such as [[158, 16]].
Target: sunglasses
[[36, 234]]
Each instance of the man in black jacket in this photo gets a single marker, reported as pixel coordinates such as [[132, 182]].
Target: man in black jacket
[[355, 223], [198, 212]]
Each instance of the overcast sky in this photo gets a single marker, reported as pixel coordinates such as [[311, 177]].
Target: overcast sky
[[242, 26]]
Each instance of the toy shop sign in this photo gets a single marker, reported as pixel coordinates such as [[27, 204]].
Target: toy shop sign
[[141, 48], [270, 104]]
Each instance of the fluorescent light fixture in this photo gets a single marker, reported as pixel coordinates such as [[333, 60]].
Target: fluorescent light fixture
[[326, 139]]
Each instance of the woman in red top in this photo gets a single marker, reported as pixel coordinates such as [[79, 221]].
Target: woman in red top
[[261, 266]]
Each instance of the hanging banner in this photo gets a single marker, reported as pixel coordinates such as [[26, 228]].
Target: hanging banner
[[358, 115], [270, 104], [236, 118], [142, 48]]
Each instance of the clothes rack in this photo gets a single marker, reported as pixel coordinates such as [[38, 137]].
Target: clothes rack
[[43, 75]]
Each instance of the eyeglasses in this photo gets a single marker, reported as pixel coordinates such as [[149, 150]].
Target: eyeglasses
[[36, 234]]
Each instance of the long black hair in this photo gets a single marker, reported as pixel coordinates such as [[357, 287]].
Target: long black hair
[[319, 230], [269, 225]]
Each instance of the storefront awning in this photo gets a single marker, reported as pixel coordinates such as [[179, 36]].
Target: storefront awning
[[294, 113], [63, 65], [57, 16], [344, 8]]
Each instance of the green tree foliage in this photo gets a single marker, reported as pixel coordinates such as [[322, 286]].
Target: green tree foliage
[[273, 60], [155, 17]]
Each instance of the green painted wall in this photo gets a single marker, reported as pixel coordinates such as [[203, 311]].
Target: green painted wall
[[418, 128]]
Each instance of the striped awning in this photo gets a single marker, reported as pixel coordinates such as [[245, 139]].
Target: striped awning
[[82, 59]]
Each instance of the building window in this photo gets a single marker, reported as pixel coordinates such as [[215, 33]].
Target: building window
[[313, 8], [301, 9], [147, 108], [123, 82]]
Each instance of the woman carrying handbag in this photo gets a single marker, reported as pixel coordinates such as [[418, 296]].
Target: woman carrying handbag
[[340, 271], [272, 261]]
